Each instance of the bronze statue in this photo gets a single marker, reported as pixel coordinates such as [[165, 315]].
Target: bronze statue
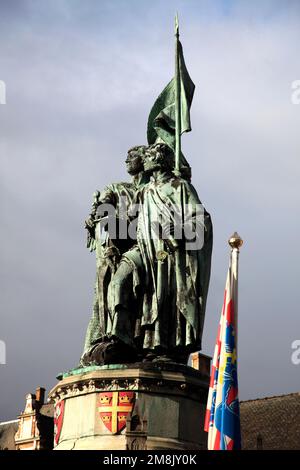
[[109, 250], [151, 290]]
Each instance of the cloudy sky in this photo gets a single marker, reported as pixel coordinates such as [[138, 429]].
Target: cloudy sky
[[81, 78]]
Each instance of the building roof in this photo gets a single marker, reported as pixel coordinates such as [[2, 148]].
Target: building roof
[[8, 430], [47, 410], [271, 422]]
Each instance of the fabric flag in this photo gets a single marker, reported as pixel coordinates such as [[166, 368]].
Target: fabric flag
[[161, 121], [222, 420]]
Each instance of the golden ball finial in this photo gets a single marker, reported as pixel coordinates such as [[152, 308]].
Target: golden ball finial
[[235, 241]]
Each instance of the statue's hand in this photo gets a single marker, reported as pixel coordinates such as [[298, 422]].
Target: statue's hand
[[165, 231], [89, 223], [168, 230], [113, 256]]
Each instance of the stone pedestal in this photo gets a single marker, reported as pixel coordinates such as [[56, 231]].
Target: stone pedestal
[[165, 401]]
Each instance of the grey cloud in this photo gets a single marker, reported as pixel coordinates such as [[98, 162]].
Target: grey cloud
[[81, 79]]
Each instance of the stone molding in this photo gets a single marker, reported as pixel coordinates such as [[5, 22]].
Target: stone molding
[[159, 379]]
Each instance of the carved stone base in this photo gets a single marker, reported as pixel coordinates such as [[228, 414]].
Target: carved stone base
[[133, 406]]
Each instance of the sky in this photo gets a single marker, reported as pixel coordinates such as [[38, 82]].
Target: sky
[[81, 78]]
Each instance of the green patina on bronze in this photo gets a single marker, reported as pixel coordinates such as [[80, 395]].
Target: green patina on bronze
[[108, 251], [170, 114], [150, 293], [87, 369]]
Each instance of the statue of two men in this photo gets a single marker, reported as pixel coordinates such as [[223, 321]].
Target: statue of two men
[[151, 288]]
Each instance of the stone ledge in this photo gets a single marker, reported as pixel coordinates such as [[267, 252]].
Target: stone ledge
[[174, 379]]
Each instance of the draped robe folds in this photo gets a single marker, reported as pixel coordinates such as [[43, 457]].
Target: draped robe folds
[[175, 289], [100, 323]]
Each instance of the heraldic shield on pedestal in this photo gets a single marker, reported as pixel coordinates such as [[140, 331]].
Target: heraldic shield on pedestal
[[58, 420], [114, 408]]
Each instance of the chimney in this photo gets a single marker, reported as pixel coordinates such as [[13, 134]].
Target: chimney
[[40, 395], [201, 362]]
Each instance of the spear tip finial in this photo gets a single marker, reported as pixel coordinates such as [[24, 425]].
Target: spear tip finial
[[235, 241], [176, 25]]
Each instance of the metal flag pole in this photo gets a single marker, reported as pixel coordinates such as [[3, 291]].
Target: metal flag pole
[[177, 100], [235, 241]]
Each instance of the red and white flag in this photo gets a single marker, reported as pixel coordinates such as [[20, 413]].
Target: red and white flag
[[222, 420]]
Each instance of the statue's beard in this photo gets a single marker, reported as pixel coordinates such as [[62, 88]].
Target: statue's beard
[[134, 171], [154, 167]]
